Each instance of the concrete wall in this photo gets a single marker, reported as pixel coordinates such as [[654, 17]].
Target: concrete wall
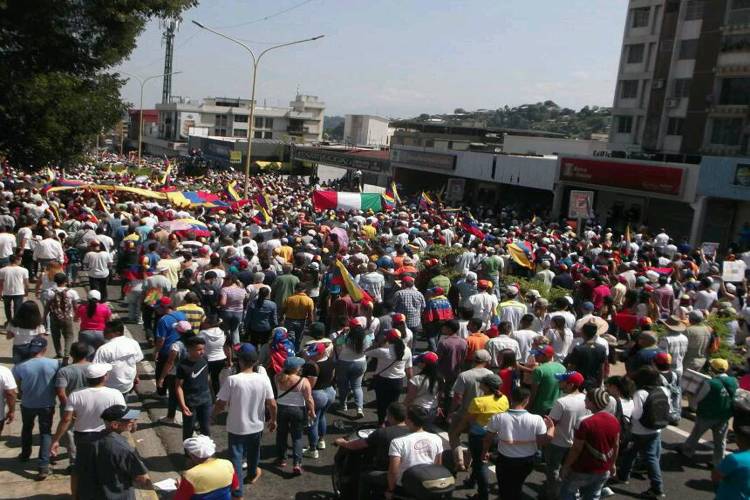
[[717, 176], [519, 144]]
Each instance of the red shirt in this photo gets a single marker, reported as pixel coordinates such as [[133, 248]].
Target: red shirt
[[598, 294], [600, 432], [507, 375]]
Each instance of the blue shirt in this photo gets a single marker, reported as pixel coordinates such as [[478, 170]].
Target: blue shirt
[[165, 330], [735, 482], [37, 376]]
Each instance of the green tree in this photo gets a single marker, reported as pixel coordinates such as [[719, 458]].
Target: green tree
[[56, 62]]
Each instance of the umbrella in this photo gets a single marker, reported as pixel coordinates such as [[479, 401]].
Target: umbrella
[[178, 225]]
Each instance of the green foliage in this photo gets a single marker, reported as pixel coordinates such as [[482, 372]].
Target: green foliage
[[333, 127], [57, 93], [719, 326], [548, 292]]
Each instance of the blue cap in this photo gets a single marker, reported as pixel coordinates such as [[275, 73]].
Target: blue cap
[[335, 289], [293, 363]]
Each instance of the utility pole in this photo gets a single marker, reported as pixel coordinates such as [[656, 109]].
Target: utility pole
[[170, 27]]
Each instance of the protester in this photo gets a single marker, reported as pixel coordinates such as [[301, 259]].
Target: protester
[[209, 477]]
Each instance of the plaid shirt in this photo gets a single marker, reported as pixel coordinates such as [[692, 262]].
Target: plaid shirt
[[410, 302]]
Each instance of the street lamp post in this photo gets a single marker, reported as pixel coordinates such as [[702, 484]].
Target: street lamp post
[[140, 111], [256, 61]]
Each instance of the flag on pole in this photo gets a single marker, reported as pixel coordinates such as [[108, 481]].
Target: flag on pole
[[264, 201], [470, 226], [336, 200], [389, 203], [166, 173], [628, 236], [232, 193], [342, 277], [519, 255], [425, 202], [394, 192]]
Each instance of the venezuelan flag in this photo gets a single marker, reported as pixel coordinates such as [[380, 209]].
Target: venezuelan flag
[[394, 192], [196, 199], [232, 193], [425, 202], [389, 202], [342, 277], [264, 201], [519, 255], [470, 226]]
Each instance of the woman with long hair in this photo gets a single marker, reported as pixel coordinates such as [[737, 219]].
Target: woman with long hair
[[231, 302], [508, 371], [394, 363], [24, 326], [261, 317], [423, 389], [93, 315], [351, 365], [295, 405]]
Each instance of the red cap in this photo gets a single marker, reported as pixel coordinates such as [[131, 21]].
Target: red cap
[[663, 360], [407, 279], [398, 318], [392, 335], [492, 332], [243, 264], [428, 358], [574, 378], [203, 251], [547, 351], [353, 323], [483, 284], [165, 301], [438, 291]]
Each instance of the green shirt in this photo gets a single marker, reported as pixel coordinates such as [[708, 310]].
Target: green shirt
[[492, 265], [717, 405], [548, 387]]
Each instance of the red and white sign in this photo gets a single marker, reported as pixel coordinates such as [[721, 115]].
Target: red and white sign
[[625, 175]]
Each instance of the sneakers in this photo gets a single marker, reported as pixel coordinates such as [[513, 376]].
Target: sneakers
[[297, 470], [43, 474], [360, 413], [607, 492], [652, 493], [345, 407], [321, 445], [309, 453]]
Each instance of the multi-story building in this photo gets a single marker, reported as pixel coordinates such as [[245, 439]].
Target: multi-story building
[[301, 122], [367, 130], [683, 84]]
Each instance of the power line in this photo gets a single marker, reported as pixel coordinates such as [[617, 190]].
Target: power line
[[266, 18]]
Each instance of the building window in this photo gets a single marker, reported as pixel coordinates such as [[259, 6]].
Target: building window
[[268, 135], [639, 17], [635, 53], [688, 48], [694, 10], [269, 122], [624, 124], [681, 88], [240, 118], [238, 132], [735, 43], [628, 89], [258, 134], [735, 91], [674, 126], [259, 122], [726, 131]]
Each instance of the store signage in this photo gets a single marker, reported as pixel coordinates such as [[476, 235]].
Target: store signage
[[581, 204], [455, 189], [235, 157], [436, 161], [624, 175], [742, 175], [340, 159]]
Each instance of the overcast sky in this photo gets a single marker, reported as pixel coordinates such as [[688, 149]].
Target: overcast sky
[[395, 58]]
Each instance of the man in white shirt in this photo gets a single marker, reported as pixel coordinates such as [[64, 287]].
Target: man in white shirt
[[14, 282], [98, 261], [372, 282], [525, 336], [8, 391], [48, 250], [483, 303], [123, 353], [496, 346], [417, 448], [86, 405], [7, 246], [249, 397]]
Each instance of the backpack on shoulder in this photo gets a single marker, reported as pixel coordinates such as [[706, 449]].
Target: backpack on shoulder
[[60, 305], [656, 409]]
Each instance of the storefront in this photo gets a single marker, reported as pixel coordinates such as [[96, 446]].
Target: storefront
[[724, 201], [639, 193]]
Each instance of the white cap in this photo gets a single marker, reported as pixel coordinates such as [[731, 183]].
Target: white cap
[[96, 370], [95, 295]]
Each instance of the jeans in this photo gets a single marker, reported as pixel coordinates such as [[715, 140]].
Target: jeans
[[70, 442], [61, 330], [349, 376], [479, 471], [244, 446], [648, 446], [28, 415], [296, 327], [511, 474], [201, 414], [387, 391], [553, 458], [99, 284], [323, 398], [432, 332], [232, 321], [291, 421], [134, 307], [719, 430], [11, 303], [588, 485], [72, 272], [92, 338]]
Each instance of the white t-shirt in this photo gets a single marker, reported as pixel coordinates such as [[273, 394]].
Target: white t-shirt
[[517, 431], [423, 397], [498, 344], [7, 383], [387, 368], [416, 448], [215, 340], [26, 235], [98, 264], [567, 412], [562, 343], [246, 395], [638, 399], [123, 354], [22, 336], [88, 405], [7, 245], [525, 339], [13, 278]]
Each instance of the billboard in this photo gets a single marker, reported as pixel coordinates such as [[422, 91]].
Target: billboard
[[625, 175], [436, 161]]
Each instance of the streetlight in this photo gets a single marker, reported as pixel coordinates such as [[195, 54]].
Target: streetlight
[[140, 112], [256, 61]]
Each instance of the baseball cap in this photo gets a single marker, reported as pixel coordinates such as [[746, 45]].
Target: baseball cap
[[482, 355], [94, 295], [183, 326], [492, 332], [428, 358], [570, 377], [587, 306], [492, 381], [392, 335], [407, 279], [37, 344], [547, 351], [663, 360], [293, 363], [119, 412], [96, 370], [165, 301], [398, 318], [719, 364], [247, 353], [315, 349]]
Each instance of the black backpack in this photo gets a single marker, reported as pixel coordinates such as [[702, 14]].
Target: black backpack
[[656, 409], [625, 424]]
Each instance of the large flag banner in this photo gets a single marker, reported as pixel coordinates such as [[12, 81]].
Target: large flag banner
[[337, 200], [425, 202], [519, 255], [232, 193], [394, 192], [389, 202], [470, 226], [342, 277]]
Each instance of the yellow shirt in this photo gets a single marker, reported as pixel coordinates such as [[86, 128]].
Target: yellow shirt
[[485, 407], [369, 232], [194, 314], [286, 252], [299, 306]]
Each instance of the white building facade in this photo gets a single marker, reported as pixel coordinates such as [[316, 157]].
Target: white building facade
[[367, 130]]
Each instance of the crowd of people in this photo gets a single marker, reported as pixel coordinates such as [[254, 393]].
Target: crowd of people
[[529, 342]]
